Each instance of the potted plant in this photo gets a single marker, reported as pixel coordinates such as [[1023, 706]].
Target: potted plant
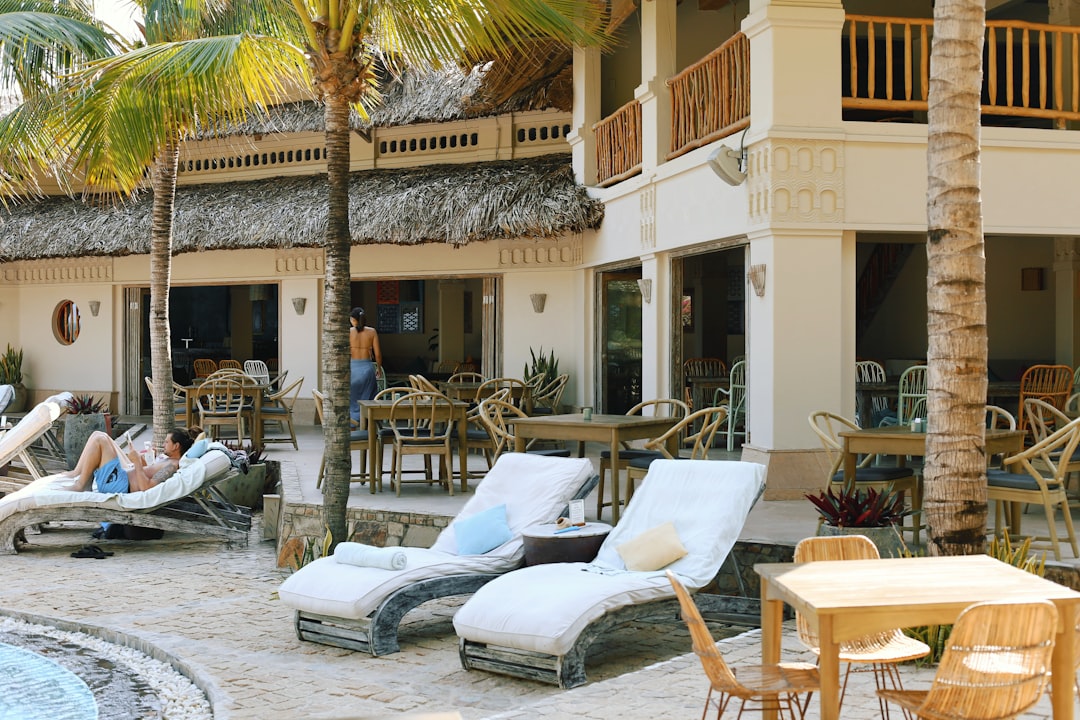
[[877, 514], [85, 414], [246, 490], [547, 366], [11, 374]]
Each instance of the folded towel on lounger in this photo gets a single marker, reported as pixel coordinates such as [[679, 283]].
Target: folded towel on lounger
[[371, 556]]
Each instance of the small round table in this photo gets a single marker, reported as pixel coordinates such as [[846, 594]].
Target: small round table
[[544, 545]]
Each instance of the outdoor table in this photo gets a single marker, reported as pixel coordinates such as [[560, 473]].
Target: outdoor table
[[901, 441], [1007, 390], [612, 429], [703, 388], [372, 411], [547, 543], [846, 599], [252, 391]]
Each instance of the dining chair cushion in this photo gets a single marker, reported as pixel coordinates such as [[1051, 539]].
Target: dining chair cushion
[[484, 531], [654, 549], [477, 435], [358, 436], [1004, 479], [875, 474]]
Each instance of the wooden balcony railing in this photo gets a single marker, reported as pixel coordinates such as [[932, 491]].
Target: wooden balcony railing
[[1024, 72], [618, 144], [711, 98]]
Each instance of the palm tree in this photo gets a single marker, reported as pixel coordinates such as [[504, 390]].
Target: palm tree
[[119, 118], [341, 39], [955, 474]]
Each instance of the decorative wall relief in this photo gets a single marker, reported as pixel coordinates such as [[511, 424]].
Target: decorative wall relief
[[563, 251], [796, 181]]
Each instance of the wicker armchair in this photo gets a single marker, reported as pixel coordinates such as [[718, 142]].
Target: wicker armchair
[[1050, 383], [765, 687], [994, 667], [358, 440], [881, 651]]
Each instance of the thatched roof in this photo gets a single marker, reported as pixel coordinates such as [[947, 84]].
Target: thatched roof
[[451, 204], [444, 95]]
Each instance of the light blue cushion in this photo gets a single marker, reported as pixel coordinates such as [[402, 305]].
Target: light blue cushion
[[198, 449], [484, 531]]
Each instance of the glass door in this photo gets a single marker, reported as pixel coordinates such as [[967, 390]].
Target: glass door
[[620, 332]]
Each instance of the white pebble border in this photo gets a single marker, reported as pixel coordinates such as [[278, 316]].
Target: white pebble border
[[180, 698]]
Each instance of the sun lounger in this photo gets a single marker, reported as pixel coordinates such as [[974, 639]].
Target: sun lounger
[[15, 442], [186, 502], [359, 608], [569, 605]]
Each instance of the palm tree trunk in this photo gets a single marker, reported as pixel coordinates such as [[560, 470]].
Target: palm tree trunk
[[335, 337], [955, 473], [163, 182]]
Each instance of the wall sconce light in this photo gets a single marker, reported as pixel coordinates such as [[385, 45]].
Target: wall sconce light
[[298, 304], [538, 301], [645, 285], [728, 164], [95, 306], [756, 276]]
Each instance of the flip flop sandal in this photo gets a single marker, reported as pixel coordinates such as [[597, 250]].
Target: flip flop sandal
[[90, 551], [104, 552]]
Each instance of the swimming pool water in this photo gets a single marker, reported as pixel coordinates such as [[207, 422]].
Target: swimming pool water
[[36, 688]]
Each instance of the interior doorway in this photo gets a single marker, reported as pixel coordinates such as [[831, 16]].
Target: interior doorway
[[620, 340]]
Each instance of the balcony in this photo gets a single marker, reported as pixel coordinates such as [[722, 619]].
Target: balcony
[[1025, 67]]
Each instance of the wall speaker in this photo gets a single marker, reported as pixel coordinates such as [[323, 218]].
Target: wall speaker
[[728, 164]]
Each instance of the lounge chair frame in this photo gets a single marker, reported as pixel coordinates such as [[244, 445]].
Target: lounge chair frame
[[377, 633], [568, 671], [205, 512]]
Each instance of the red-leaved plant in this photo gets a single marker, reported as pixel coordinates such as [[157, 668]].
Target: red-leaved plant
[[860, 508]]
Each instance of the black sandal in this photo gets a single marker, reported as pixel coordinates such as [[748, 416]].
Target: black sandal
[[91, 551]]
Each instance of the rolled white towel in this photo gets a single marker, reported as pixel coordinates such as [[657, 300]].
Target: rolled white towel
[[387, 558]]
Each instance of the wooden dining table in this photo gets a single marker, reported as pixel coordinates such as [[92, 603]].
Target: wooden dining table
[[847, 599], [997, 392], [901, 441], [253, 392], [373, 411], [610, 429]]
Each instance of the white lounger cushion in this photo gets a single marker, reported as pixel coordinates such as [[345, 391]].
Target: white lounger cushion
[[707, 500], [53, 490], [534, 488], [32, 426]]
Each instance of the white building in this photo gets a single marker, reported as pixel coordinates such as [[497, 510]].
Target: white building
[[835, 184]]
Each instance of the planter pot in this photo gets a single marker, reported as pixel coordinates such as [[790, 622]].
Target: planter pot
[[20, 400], [77, 428], [245, 490], [888, 539]]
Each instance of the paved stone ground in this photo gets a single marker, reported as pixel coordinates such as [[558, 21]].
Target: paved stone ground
[[212, 608]]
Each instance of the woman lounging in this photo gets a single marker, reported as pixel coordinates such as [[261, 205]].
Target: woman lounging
[[103, 461]]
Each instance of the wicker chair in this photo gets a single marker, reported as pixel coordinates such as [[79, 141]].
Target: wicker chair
[[466, 377], [700, 367], [547, 399], [881, 651], [204, 367], [423, 424], [994, 667], [230, 365], [871, 371], [665, 407], [765, 687], [358, 440], [827, 426], [221, 403], [278, 408], [1049, 383], [1037, 475], [710, 418], [258, 370], [735, 399], [179, 399]]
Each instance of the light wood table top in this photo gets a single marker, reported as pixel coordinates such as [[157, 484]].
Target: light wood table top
[[845, 599]]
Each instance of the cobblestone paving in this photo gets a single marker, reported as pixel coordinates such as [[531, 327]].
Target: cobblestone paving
[[213, 608]]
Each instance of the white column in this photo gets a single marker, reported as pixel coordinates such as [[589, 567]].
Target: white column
[[657, 66], [586, 114], [653, 331]]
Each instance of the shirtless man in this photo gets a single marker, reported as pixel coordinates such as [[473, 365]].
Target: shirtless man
[[363, 349], [101, 451]]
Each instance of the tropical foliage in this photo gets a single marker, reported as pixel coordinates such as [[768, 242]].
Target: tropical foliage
[[86, 405], [11, 366], [546, 366], [856, 507]]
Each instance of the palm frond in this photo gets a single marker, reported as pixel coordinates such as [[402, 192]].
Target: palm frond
[[37, 45]]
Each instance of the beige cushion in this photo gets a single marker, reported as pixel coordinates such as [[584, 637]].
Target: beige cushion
[[653, 549]]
